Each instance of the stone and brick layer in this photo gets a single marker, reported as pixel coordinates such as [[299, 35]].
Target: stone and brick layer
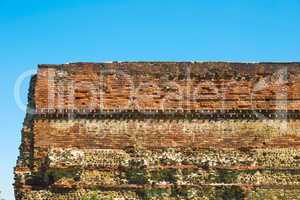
[[161, 130]]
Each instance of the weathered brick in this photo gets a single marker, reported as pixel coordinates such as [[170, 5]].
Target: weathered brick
[[161, 130]]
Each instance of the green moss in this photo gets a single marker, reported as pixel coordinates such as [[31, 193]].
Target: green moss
[[167, 175], [153, 194], [93, 196], [227, 176], [274, 194], [230, 193], [56, 174], [136, 176], [186, 192]]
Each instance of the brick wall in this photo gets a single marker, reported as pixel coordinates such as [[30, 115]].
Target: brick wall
[[168, 86], [152, 130]]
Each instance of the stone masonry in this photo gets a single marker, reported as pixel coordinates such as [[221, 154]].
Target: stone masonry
[[161, 130]]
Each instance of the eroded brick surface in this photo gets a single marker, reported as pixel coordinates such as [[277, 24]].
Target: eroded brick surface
[[168, 86], [149, 130]]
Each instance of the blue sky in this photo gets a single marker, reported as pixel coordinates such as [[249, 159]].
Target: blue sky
[[60, 31]]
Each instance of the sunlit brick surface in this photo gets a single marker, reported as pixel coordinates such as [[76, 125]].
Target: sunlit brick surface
[[150, 130]]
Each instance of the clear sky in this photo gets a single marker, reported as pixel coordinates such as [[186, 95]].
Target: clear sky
[[60, 31]]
